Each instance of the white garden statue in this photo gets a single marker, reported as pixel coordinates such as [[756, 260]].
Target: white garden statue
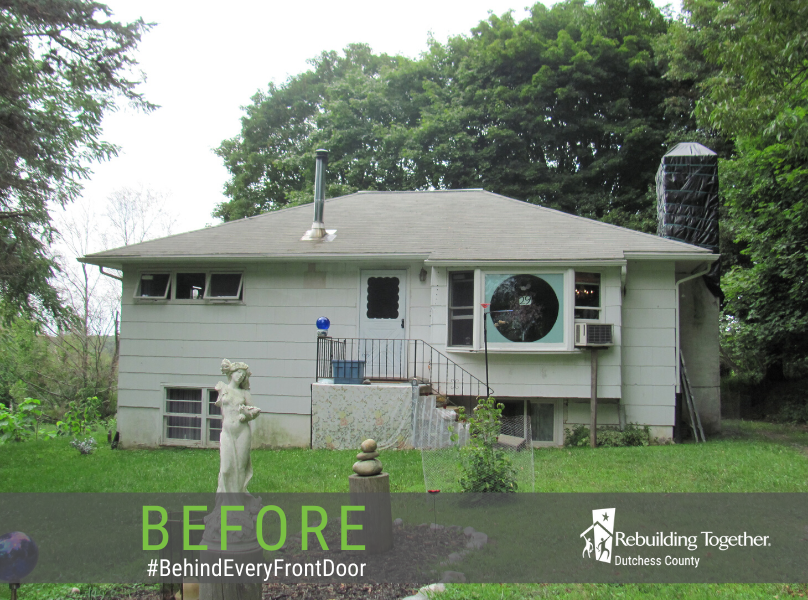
[[235, 470]]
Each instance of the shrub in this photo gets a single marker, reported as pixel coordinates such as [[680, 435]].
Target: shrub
[[578, 436], [486, 467], [20, 423], [80, 417], [632, 435]]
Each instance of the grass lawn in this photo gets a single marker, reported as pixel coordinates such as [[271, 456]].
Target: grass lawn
[[748, 457]]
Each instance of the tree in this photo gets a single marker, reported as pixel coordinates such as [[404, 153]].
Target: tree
[[755, 92], [63, 65], [562, 109], [136, 215]]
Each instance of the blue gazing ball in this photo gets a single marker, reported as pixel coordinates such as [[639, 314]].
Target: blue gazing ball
[[18, 556], [323, 323]]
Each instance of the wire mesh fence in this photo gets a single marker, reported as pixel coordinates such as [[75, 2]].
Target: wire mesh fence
[[447, 458]]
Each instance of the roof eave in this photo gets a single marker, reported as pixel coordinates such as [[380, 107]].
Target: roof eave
[[117, 262], [704, 255], [592, 262]]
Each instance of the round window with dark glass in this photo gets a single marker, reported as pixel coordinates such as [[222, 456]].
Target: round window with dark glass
[[524, 308]]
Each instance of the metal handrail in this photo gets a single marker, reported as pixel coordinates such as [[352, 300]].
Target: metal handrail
[[394, 360]]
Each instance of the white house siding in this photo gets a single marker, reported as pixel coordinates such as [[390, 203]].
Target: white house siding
[[539, 375], [698, 338], [648, 349], [175, 344]]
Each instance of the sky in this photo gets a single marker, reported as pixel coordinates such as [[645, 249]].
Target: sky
[[203, 65]]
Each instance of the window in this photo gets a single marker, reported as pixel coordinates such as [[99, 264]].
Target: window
[[191, 286], [461, 308], [156, 286], [587, 296], [187, 419], [545, 422], [224, 286], [382, 298], [525, 308]]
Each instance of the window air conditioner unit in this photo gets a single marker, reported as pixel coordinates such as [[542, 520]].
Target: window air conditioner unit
[[594, 334]]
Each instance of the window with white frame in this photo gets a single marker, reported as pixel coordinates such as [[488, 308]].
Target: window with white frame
[[525, 310], [191, 416], [224, 286], [191, 285], [543, 415], [587, 296], [461, 308], [154, 286]]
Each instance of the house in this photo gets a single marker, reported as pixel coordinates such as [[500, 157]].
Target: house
[[409, 273]]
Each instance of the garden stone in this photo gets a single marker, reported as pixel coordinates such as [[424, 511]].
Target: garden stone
[[418, 596], [477, 541], [432, 588], [368, 446], [366, 468], [398, 522], [436, 527], [453, 577], [468, 531], [366, 455], [454, 557]]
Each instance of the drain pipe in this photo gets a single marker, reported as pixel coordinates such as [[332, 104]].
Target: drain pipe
[[677, 368], [676, 316], [103, 272]]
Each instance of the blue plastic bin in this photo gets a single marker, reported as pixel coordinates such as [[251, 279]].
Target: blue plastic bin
[[348, 371]]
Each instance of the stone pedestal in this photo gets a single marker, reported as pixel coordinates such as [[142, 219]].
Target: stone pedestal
[[373, 493]]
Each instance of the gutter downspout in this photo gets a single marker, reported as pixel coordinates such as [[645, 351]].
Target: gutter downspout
[[103, 272], [677, 369], [676, 316]]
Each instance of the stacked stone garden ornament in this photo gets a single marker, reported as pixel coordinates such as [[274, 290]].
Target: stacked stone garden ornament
[[370, 487], [367, 463]]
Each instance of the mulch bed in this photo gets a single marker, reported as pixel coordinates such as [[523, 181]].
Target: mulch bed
[[415, 558]]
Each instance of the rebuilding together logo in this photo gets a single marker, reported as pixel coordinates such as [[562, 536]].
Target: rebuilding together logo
[[602, 530], [602, 540]]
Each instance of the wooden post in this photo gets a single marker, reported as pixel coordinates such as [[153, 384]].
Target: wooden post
[[222, 589], [593, 401], [372, 492]]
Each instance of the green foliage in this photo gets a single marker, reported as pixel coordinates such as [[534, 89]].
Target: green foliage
[[57, 368], [80, 417], [632, 435], [562, 109], [577, 436], [793, 412], [742, 64], [486, 467], [63, 63], [21, 422]]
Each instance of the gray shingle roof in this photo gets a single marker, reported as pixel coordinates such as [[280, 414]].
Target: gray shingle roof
[[451, 225]]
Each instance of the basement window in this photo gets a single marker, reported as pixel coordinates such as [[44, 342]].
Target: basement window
[[190, 421], [155, 286], [587, 296]]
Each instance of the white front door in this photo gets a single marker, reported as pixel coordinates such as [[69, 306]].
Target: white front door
[[382, 321]]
